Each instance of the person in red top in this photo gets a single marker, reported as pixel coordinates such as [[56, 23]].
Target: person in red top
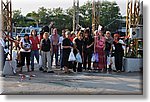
[[72, 36], [35, 49]]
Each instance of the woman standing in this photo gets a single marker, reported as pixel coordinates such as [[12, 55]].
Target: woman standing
[[45, 47], [35, 49], [119, 52], [108, 46], [99, 47], [25, 51], [88, 43], [79, 46], [67, 45]]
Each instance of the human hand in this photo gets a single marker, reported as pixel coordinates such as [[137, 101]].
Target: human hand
[[87, 47]]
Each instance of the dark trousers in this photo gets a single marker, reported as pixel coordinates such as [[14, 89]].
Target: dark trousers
[[61, 58], [77, 67], [118, 61], [2, 58], [87, 59], [27, 56]]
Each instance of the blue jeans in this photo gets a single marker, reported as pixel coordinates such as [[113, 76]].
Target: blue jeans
[[36, 54]]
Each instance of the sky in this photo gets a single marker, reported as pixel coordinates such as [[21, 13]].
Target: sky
[[27, 6]]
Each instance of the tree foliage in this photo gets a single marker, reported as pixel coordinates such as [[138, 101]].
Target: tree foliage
[[109, 13]]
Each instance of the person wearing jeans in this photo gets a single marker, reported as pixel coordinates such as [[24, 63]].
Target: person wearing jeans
[[35, 49]]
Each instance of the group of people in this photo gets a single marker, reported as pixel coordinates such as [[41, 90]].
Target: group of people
[[83, 42]]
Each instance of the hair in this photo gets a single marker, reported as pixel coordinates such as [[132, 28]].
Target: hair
[[27, 39], [63, 30], [80, 33], [87, 31], [46, 33], [117, 35], [55, 29], [67, 32], [35, 32], [95, 32], [101, 32], [108, 32]]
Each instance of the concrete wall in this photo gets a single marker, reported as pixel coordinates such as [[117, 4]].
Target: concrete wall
[[133, 64]]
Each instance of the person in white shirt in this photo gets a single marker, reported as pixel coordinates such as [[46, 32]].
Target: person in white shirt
[[61, 48], [25, 51], [3, 51]]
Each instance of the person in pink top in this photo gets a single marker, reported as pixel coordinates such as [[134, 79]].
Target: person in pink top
[[99, 47], [35, 50]]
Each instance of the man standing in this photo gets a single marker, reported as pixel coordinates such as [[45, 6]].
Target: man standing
[[61, 48], [55, 46]]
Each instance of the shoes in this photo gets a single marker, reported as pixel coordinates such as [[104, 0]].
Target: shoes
[[118, 71], [32, 69], [28, 70], [50, 71], [41, 69], [2, 75], [44, 71]]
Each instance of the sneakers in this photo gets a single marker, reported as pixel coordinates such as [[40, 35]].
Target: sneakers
[[118, 71]]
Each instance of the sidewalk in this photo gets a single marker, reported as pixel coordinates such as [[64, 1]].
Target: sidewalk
[[74, 83]]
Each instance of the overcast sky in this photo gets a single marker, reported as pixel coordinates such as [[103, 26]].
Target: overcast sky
[[27, 6]]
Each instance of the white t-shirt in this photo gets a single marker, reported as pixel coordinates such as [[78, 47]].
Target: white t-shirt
[[2, 43], [25, 45], [61, 41]]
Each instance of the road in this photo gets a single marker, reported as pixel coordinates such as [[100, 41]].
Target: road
[[85, 83]]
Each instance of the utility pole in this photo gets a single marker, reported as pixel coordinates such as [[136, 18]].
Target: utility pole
[[75, 14], [6, 12]]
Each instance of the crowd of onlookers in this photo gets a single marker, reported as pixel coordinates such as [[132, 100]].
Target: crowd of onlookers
[[100, 45]]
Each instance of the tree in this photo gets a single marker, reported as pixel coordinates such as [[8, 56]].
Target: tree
[[43, 15], [18, 18], [109, 15]]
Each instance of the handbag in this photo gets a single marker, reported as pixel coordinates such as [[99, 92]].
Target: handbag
[[109, 60], [95, 57], [78, 58], [71, 56]]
